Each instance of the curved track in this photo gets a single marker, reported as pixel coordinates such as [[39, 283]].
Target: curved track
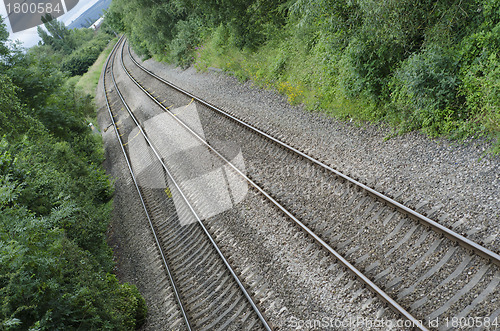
[[209, 294], [394, 250]]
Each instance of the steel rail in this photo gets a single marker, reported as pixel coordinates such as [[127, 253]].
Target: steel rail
[[214, 244], [450, 234], [358, 274], [174, 287]]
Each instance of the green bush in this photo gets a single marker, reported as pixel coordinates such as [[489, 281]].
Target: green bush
[[220, 39], [82, 58], [185, 41], [424, 90], [480, 69]]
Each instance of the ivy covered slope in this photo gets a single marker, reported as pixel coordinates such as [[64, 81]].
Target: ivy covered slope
[[55, 200], [419, 65]]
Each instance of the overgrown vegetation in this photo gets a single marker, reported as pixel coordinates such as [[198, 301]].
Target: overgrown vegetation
[[55, 200], [87, 83], [77, 49], [427, 65]]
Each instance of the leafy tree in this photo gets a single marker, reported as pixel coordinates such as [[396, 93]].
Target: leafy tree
[[37, 76], [81, 59], [55, 200], [74, 50], [56, 35]]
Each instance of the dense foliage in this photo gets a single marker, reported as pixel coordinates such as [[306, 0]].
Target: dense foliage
[[78, 48], [55, 201], [430, 65]]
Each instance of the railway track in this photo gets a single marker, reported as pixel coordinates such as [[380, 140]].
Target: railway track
[[421, 269], [209, 294]]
